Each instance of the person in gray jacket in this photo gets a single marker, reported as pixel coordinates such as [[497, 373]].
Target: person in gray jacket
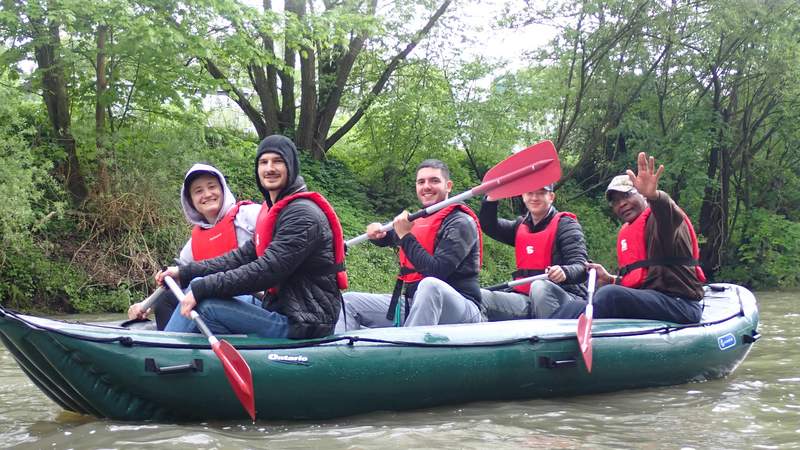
[[219, 224], [546, 242]]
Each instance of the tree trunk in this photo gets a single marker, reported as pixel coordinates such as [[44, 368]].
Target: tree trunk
[[714, 209], [264, 82], [306, 124], [287, 115], [239, 97], [56, 98], [382, 80], [338, 70], [103, 178], [266, 96]]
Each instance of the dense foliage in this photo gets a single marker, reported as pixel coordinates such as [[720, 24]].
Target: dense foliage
[[104, 105]]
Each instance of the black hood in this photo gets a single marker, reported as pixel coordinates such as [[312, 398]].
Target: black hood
[[286, 148]]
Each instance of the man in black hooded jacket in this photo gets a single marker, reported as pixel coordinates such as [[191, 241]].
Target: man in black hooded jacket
[[296, 255]]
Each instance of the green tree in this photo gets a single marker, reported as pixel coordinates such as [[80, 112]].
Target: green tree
[[34, 28], [253, 54]]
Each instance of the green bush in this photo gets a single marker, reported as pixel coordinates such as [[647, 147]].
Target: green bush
[[768, 254], [24, 179], [31, 280], [599, 228]]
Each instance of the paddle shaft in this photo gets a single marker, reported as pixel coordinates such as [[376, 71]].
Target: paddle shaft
[[590, 286], [484, 188], [176, 290], [149, 301], [203, 327], [508, 284], [237, 371]]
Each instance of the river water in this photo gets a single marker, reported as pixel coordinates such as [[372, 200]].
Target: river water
[[758, 406]]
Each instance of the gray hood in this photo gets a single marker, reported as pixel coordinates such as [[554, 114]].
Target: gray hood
[[192, 215]]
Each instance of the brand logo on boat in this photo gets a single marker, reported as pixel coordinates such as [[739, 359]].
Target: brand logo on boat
[[727, 341], [624, 245], [288, 359], [529, 249]]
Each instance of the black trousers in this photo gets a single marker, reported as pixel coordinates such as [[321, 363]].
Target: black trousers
[[620, 302], [164, 305]]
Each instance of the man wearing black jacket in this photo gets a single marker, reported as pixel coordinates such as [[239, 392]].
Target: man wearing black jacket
[[296, 255], [439, 258], [545, 242]]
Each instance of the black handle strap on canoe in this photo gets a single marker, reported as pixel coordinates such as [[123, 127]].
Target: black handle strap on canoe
[[752, 337], [554, 363], [128, 323], [150, 365]]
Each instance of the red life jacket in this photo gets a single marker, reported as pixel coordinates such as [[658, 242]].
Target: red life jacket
[[535, 250], [265, 226], [632, 252], [425, 229], [211, 242]]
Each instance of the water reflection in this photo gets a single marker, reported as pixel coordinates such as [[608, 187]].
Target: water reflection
[[757, 407]]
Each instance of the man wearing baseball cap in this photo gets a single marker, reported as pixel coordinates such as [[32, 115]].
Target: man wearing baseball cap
[[657, 254]]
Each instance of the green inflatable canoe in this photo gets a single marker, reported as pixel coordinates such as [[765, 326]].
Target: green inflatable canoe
[[128, 374]]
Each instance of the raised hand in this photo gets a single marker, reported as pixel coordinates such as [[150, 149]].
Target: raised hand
[[646, 180]]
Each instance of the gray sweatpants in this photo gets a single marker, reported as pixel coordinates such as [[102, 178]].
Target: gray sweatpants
[[365, 310], [544, 298], [435, 302]]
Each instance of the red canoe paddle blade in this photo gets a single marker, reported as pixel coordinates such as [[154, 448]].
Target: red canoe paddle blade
[[543, 175], [585, 336], [239, 375]]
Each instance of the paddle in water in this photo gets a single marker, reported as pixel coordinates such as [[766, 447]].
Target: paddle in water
[[585, 323], [524, 171], [236, 369]]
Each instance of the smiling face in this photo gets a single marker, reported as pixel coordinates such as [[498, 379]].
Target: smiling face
[[206, 194], [627, 205], [272, 173], [538, 202], [432, 186]]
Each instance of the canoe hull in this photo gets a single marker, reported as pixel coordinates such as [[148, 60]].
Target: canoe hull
[[143, 375]]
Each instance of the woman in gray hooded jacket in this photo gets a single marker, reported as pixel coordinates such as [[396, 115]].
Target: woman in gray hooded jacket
[[219, 225]]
